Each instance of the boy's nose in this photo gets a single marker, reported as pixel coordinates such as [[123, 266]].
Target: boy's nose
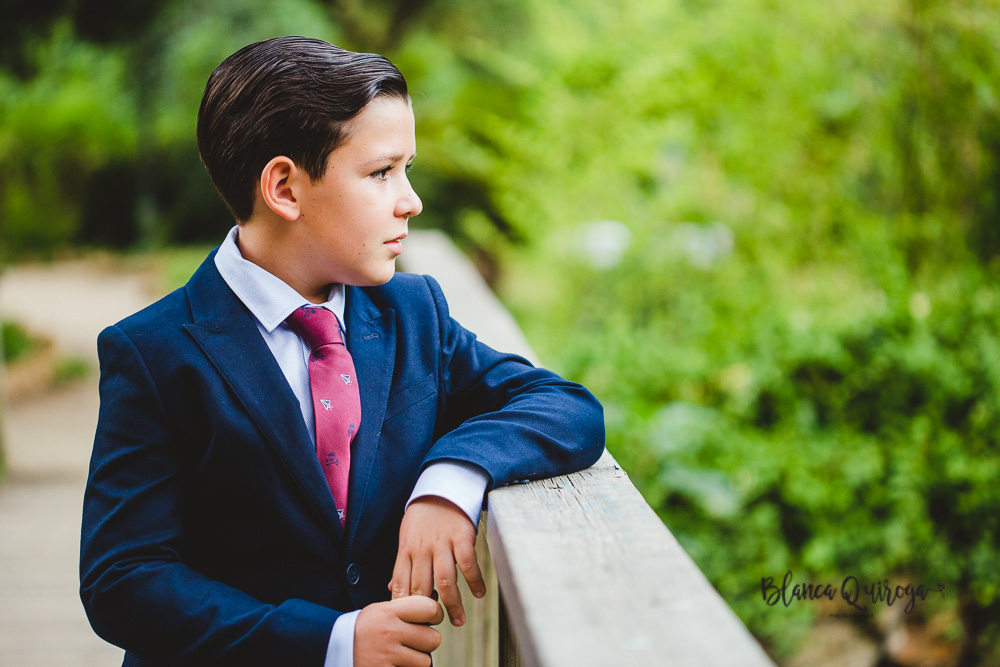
[[409, 205]]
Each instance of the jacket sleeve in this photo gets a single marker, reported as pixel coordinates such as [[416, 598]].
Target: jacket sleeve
[[135, 585], [517, 422]]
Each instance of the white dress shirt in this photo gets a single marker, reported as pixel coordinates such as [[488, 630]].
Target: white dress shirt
[[271, 300]]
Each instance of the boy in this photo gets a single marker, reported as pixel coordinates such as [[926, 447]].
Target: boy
[[264, 429]]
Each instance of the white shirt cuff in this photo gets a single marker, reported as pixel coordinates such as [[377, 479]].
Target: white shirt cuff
[[340, 651], [460, 482]]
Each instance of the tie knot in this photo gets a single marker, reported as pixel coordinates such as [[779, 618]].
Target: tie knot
[[317, 326]]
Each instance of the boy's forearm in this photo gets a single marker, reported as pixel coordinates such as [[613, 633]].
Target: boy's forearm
[[532, 437], [537, 424], [501, 413]]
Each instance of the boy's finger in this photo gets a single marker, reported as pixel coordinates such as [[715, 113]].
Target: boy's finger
[[422, 638], [421, 575], [446, 581], [418, 609], [408, 657], [465, 556], [399, 586]]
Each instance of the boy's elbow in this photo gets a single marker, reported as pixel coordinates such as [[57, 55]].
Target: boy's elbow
[[597, 436], [109, 585], [97, 610], [589, 422]]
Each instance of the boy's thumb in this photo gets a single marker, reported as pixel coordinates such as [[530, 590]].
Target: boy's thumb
[[419, 609]]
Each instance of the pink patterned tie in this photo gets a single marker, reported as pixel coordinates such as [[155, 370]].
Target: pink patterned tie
[[335, 396]]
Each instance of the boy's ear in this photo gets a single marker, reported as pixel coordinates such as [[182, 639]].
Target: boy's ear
[[278, 187]]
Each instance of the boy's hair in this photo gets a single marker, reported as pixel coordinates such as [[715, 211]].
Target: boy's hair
[[290, 96]]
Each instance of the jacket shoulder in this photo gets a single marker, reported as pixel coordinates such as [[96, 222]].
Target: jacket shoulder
[[407, 291], [169, 313], [170, 309]]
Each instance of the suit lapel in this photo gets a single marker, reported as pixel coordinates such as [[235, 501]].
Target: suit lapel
[[228, 336], [371, 339]]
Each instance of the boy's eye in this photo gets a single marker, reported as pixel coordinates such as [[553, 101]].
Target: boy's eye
[[383, 173]]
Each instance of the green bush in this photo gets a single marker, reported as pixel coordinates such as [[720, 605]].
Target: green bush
[[97, 144], [18, 343], [764, 234], [57, 131]]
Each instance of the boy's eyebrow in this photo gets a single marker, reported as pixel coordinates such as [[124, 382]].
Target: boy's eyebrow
[[392, 157]]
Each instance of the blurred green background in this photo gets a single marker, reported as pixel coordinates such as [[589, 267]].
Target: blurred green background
[[766, 234]]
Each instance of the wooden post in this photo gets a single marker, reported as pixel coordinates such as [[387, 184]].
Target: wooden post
[[475, 644]]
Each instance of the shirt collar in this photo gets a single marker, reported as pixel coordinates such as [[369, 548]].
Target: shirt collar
[[268, 297]]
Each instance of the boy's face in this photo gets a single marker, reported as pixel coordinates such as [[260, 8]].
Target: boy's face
[[353, 220]]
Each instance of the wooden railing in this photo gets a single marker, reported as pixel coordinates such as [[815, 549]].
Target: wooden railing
[[580, 570]]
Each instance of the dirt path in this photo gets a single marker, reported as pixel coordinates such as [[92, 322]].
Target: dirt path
[[47, 445]]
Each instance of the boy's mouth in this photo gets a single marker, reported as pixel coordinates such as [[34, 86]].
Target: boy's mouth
[[396, 244]]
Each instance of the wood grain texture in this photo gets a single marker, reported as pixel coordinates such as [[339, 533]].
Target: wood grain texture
[[475, 644], [510, 652]]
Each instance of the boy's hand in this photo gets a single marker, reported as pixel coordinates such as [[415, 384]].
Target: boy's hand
[[395, 633], [435, 536]]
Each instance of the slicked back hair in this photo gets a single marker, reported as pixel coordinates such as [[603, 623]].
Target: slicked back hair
[[290, 96]]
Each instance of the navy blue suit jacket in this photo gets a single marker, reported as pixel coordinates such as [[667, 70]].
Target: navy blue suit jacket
[[209, 533]]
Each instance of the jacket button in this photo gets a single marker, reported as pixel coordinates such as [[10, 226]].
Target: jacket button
[[353, 576]]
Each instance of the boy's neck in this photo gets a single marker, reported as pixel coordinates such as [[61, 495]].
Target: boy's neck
[[266, 246]]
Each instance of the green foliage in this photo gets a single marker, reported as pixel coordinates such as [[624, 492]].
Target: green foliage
[[179, 264], [797, 436], [56, 132], [18, 343], [810, 382], [70, 369], [98, 145]]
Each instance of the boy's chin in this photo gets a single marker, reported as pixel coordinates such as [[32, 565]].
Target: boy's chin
[[376, 278]]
